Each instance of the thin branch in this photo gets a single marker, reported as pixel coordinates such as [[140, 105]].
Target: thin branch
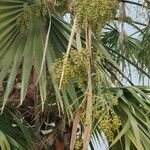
[[44, 53], [78, 39], [126, 20], [45, 46], [122, 14], [135, 3], [128, 60], [67, 53]]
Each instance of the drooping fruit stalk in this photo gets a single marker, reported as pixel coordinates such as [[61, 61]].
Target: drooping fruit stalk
[[89, 105], [75, 129], [67, 53], [122, 14]]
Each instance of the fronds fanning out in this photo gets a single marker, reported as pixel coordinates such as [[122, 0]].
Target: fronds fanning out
[[98, 100]]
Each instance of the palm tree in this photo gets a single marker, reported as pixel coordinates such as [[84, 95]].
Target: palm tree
[[66, 80]]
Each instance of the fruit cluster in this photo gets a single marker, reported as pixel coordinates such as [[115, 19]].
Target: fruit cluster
[[110, 124], [78, 144], [30, 13], [95, 12], [75, 68], [114, 101]]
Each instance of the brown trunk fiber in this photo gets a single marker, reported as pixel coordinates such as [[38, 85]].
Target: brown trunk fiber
[[59, 144]]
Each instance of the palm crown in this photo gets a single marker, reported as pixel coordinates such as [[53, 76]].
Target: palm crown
[[75, 72]]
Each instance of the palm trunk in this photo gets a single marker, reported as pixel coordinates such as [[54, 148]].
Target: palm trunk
[[59, 144]]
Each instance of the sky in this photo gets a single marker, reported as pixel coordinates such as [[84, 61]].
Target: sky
[[138, 14]]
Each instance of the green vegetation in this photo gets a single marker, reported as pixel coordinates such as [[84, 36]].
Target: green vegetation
[[68, 84]]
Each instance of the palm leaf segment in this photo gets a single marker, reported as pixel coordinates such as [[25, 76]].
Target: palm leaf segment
[[22, 44], [13, 133]]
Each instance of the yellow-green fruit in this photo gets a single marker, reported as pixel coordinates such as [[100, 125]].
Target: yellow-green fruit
[[75, 68], [30, 12], [95, 12], [110, 124], [96, 114], [116, 121], [78, 144], [106, 126], [114, 101]]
